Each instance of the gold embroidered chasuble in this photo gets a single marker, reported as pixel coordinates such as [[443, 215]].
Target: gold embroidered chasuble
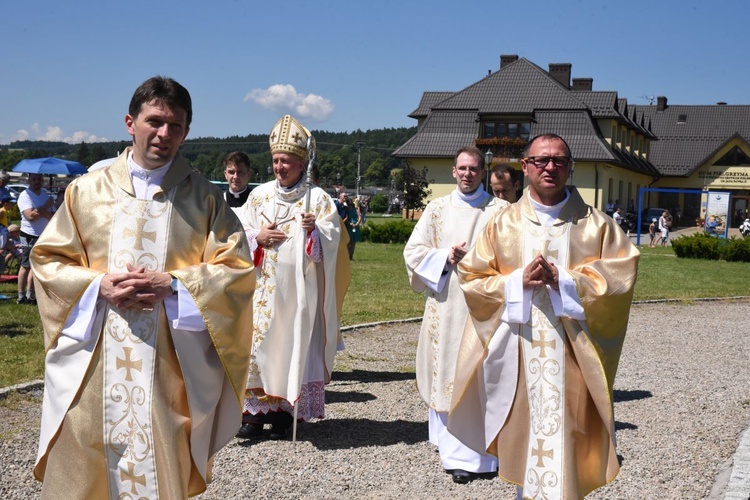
[[539, 395], [138, 407], [441, 226], [295, 315]]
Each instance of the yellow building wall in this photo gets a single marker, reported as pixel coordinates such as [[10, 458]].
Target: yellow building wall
[[439, 174]]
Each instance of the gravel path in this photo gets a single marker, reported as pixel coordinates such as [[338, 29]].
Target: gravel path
[[682, 399]]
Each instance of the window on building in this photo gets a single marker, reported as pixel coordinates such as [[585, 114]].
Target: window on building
[[514, 130], [734, 156]]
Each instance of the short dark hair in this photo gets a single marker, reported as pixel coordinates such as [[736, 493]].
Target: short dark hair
[[237, 158], [473, 151], [547, 137], [166, 90], [504, 168]]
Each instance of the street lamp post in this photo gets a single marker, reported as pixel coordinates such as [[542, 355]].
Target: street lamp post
[[359, 158], [488, 165]]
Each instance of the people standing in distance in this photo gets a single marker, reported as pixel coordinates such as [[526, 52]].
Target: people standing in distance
[[36, 207]]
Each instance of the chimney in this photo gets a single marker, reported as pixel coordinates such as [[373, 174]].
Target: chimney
[[583, 83], [561, 73], [721, 103], [506, 59], [661, 103]]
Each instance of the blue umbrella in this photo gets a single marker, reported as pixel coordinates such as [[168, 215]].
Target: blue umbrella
[[49, 166]]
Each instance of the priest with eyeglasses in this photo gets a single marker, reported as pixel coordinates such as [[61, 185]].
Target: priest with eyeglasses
[[548, 284]]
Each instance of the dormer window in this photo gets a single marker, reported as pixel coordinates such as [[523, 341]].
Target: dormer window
[[681, 118]]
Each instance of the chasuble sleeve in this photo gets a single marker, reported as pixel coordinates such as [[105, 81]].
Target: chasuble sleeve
[[62, 270]]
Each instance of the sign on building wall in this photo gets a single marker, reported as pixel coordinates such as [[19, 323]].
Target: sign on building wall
[[726, 178]]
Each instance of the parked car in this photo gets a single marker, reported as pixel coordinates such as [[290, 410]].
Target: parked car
[[16, 189], [649, 214]]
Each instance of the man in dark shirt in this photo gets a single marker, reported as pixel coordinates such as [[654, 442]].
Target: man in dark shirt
[[237, 172]]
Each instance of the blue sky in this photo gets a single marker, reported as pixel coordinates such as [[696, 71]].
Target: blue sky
[[68, 69]]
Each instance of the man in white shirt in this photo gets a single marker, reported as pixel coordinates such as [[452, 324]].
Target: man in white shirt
[[36, 207]]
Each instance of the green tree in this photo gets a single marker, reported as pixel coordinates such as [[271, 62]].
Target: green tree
[[414, 185]]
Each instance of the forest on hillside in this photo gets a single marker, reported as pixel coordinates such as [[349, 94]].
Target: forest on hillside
[[337, 154]]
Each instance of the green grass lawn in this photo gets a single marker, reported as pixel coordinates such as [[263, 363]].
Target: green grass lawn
[[380, 291]]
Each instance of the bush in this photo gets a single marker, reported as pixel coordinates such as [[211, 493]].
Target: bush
[[379, 203], [705, 246], [397, 231]]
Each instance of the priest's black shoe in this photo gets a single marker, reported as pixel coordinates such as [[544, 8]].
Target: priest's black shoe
[[250, 431], [461, 476]]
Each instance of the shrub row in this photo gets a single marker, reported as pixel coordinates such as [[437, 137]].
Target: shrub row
[[397, 231], [705, 246]]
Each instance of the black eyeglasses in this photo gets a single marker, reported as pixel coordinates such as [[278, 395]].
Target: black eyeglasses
[[543, 161]]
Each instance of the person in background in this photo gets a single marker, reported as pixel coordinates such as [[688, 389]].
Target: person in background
[[237, 172], [36, 207], [144, 278], [13, 247], [652, 232], [549, 284], [6, 205], [504, 182], [4, 180], [617, 216], [296, 320], [441, 238]]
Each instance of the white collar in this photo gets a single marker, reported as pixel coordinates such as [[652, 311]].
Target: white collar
[[237, 194], [548, 214], [472, 200], [154, 176]]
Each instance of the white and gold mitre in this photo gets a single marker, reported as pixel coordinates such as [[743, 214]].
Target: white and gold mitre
[[289, 136]]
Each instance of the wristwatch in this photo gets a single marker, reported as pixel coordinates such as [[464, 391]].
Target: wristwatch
[[173, 285]]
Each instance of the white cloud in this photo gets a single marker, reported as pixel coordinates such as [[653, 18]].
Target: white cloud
[[20, 135], [285, 98]]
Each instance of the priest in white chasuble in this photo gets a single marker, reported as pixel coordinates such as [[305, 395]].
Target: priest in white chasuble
[[294, 231], [549, 286], [445, 232], [144, 284]]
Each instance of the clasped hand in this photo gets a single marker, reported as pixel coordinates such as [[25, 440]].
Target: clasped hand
[[540, 272], [135, 289]]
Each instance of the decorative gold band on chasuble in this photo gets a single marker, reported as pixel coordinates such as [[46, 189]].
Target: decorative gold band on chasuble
[[139, 238], [543, 348]]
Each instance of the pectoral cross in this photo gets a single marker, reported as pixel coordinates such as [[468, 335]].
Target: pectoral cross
[[540, 453], [129, 475], [543, 343], [139, 234], [128, 363]]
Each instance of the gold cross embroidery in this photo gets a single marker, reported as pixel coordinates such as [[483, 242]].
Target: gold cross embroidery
[[129, 475], [540, 453], [139, 234], [273, 137], [128, 363], [545, 251], [296, 137], [543, 343]]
